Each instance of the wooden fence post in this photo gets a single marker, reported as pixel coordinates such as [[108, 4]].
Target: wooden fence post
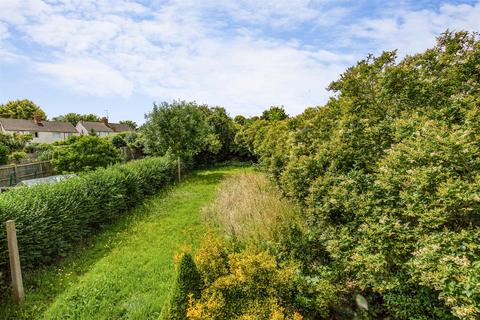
[[179, 168], [15, 270]]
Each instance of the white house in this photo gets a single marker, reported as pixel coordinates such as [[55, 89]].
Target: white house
[[101, 129], [42, 131]]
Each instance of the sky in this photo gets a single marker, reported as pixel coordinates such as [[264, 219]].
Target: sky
[[117, 57]]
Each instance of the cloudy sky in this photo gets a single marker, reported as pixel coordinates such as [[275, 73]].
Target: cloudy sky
[[88, 56]]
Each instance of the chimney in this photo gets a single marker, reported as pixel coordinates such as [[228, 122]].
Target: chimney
[[37, 119], [105, 120]]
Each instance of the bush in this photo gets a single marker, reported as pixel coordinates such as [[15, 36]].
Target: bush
[[188, 286], [245, 285], [4, 151], [52, 218], [83, 153], [17, 156], [387, 174]]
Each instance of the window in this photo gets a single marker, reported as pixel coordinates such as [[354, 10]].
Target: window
[[35, 134]]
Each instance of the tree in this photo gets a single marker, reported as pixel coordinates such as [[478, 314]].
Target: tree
[[240, 120], [224, 129], [21, 109], [274, 113], [75, 118], [180, 127], [130, 123], [83, 153]]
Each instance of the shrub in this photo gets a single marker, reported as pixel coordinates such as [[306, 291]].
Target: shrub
[[15, 141], [17, 156], [245, 285], [188, 286], [387, 175], [52, 218], [4, 151], [83, 153]]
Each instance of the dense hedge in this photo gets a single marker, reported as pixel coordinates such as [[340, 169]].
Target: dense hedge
[[388, 175], [51, 219]]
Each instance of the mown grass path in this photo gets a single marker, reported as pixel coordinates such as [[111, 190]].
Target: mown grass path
[[128, 270]]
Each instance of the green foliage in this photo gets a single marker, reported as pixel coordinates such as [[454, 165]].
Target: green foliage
[[274, 114], [130, 139], [388, 176], [15, 141], [245, 285], [240, 120], [4, 151], [183, 128], [188, 285], [21, 109], [80, 153], [127, 269], [118, 141], [75, 118], [180, 127], [52, 218], [223, 130], [17, 156]]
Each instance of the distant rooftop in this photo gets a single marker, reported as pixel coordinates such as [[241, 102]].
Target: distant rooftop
[[103, 127], [34, 126]]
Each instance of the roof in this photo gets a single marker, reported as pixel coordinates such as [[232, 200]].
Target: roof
[[95, 126], [102, 127], [31, 125], [120, 127]]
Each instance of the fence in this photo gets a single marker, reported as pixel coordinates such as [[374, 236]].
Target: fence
[[10, 175]]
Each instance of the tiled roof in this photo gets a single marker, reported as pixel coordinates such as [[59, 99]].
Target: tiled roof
[[120, 127], [31, 125], [96, 126]]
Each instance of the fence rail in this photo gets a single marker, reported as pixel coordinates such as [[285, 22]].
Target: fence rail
[[10, 175]]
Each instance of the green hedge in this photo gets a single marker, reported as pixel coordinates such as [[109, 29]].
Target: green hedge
[[52, 218]]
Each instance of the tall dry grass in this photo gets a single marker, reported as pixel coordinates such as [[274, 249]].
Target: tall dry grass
[[249, 207]]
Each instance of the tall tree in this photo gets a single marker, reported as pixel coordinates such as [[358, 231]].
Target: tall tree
[[21, 109], [75, 118], [180, 127], [274, 113]]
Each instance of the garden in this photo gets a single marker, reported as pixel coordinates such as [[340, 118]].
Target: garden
[[367, 207]]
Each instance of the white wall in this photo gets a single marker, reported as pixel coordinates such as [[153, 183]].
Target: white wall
[[46, 137], [81, 129], [50, 137]]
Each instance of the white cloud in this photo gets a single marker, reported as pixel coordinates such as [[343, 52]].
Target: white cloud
[[414, 31], [88, 76], [3, 31], [217, 52]]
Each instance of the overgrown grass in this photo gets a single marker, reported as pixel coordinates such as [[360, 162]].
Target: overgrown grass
[[126, 272], [249, 207]]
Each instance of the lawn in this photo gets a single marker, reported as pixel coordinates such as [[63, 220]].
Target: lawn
[[127, 271]]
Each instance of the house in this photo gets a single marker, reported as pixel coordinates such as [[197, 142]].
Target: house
[[102, 128], [41, 130]]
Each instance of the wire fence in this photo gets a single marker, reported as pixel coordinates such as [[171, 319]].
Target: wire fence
[[10, 175]]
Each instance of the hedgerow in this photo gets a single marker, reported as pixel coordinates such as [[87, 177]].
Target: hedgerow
[[52, 218], [388, 177]]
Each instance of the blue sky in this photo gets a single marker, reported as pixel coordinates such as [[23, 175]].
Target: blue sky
[[88, 56]]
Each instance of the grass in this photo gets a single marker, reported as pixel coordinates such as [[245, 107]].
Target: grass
[[127, 271], [248, 207]]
